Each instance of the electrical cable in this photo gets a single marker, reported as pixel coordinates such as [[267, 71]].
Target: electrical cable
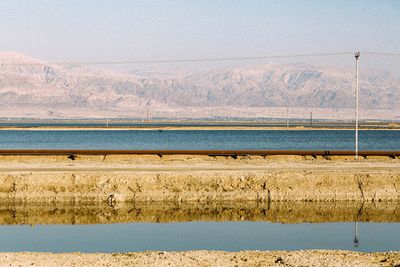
[[189, 60]]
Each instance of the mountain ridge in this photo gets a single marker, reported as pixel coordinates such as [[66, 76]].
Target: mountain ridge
[[34, 88]]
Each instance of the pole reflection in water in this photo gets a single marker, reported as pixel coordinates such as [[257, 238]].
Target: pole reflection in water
[[356, 240]]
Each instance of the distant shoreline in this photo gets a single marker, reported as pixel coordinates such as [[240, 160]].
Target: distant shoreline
[[188, 128]]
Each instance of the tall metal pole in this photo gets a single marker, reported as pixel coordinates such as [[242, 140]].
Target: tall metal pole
[[287, 117], [357, 56]]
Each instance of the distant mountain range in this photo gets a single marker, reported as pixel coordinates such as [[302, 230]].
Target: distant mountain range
[[35, 89]]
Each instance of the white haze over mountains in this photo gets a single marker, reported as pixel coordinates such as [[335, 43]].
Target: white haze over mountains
[[30, 88]]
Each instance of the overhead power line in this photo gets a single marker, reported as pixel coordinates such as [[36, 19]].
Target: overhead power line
[[199, 60], [382, 54], [193, 60], [188, 60]]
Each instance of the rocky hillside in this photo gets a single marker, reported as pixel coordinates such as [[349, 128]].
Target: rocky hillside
[[32, 88]]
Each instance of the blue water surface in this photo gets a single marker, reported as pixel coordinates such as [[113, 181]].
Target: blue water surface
[[192, 139], [227, 236]]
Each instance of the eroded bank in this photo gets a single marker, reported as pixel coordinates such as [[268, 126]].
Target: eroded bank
[[46, 179]]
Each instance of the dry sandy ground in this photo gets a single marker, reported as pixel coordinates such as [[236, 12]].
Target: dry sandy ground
[[116, 178], [205, 258]]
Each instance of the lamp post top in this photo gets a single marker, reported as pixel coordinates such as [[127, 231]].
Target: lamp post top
[[357, 55]]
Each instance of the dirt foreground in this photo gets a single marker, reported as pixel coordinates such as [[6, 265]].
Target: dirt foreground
[[205, 258]]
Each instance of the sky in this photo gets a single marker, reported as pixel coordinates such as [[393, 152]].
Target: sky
[[93, 30]]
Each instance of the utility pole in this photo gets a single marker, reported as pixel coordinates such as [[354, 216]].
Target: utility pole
[[357, 56], [148, 104], [287, 117]]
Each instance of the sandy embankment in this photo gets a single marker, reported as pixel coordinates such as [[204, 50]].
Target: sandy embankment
[[115, 178], [206, 258]]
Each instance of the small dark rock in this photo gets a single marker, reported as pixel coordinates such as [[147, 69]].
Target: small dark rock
[[72, 157], [279, 260]]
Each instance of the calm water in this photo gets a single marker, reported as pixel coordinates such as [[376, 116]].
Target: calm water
[[214, 139], [228, 236]]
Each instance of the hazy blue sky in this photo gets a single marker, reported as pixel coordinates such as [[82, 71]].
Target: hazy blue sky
[[126, 29]]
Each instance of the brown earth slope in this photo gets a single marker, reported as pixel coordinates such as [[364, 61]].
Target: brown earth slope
[[96, 179]]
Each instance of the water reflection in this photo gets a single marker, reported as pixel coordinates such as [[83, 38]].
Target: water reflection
[[172, 226], [356, 241], [276, 212]]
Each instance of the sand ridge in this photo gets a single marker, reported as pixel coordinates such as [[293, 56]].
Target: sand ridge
[[192, 128]]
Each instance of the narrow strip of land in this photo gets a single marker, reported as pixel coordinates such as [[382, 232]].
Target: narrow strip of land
[[197, 128], [160, 169]]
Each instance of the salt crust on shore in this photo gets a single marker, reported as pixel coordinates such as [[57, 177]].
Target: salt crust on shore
[[205, 258]]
